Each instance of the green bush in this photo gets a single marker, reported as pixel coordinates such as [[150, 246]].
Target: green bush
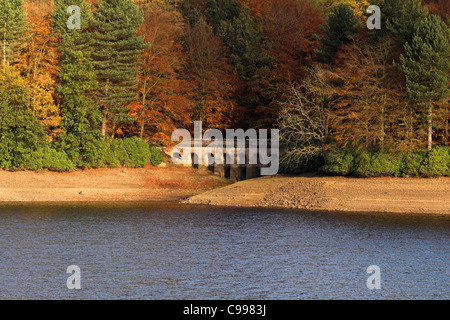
[[117, 155], [437, 162], [138, 152], [5, 158], [378, 163], [339, 161], [156, 156], [411, 163], [29, 161], [87, 151], [44, 158], [383, 163], [130, 152], [363, 164], [94, 154], [56, 160]]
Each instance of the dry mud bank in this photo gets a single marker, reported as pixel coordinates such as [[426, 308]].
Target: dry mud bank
[[400, 195], [140, 184]]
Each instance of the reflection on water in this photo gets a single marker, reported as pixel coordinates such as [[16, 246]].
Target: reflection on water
[[171, 251]]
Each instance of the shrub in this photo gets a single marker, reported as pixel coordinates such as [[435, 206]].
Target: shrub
[[362, 165], [32, 160], [117, 155], [130, 152], [86, 151], [383, 163], [411, 163], [94, 154], [339, 161], [437, 162], [138, 151], [156, 156], [380, 163], [44, 157], [5, 158], [56, 160]]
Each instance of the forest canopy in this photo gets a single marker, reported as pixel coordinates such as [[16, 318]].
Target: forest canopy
[[347, 99]]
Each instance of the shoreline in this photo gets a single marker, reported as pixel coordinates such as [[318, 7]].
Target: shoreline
[[335, 193], [192, 186], [106, 185]]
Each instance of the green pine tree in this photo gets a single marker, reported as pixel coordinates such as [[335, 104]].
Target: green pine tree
[[219, 11], [402, 18], [117, 50], [81, 117], [249, 50], [12, 28], [426, 65], [342, 24]]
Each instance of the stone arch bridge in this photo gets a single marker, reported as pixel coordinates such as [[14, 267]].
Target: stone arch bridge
[[231, 168]]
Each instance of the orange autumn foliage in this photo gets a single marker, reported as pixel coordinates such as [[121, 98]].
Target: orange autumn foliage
[[38, 65], [291, 26], [213, 81], [258, 8], [163, 104]]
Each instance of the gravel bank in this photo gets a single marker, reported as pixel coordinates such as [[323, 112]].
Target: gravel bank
[[385, 194]]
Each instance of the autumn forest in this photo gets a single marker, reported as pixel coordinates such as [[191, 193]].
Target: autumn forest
[[346, 98]]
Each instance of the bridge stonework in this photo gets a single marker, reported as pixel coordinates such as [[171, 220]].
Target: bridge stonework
[[229, 169]]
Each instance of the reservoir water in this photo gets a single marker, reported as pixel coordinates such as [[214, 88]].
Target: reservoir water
[[172, 251]]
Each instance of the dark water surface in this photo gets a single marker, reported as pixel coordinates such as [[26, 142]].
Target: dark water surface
[[171, 251]]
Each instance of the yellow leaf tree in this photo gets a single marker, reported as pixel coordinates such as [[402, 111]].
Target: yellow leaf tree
[[359, 7], [38, 66]]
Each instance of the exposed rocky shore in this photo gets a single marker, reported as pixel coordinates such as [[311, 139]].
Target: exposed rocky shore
[[400, 195]]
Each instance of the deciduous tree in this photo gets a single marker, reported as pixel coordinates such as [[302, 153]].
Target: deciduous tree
[[163, 103], [38, 64], [211, 76]]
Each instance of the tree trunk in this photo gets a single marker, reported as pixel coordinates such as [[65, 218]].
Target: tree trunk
[[104, 125], [446, 126], [113, 130], [430, 126], [410, 127], [382, 133], [144, 96], [141, 133]]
